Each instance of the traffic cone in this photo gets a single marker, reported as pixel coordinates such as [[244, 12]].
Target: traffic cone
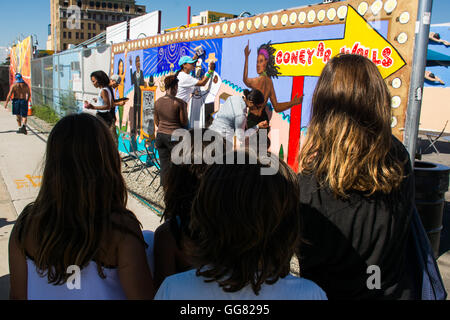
[[30, 111]]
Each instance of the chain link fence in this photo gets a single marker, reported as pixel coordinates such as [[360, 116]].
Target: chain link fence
[[62, 82]]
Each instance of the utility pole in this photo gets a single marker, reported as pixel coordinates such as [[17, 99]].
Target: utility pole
[[417, 77]]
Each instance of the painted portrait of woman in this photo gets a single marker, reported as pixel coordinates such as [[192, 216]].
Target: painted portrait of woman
[[266, 69], [121, 71]]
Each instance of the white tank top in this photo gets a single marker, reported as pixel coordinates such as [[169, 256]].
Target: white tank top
[[100, 101], [92, 287]]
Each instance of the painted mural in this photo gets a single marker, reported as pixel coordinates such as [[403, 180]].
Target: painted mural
[[21, 60], [282, 54]]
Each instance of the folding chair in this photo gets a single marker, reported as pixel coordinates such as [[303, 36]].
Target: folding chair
[[153, 159], [433, 141], [134, 155]]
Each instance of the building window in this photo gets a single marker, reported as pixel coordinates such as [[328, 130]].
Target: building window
[[89, 15], [89, 35], [97, 4], [94, 26], [127, 8], [64, 35], [70, 35], [89, 26], [79, 4], [116, 6], [110, 5], [65, 46], [91, 4], [66, 3], [82, 35], [94, 16], [82, 25], [77, 35], [64, 25], [113, 18]]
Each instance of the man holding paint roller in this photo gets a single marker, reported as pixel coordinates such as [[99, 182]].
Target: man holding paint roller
[[187, 82]]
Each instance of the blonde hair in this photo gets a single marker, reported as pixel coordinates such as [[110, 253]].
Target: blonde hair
[[349, 137]]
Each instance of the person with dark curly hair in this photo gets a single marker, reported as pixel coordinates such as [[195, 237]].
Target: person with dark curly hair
[[266, 69], [244, 228], [183, 181]]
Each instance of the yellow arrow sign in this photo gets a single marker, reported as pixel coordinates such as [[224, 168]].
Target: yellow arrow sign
[[308, 58]]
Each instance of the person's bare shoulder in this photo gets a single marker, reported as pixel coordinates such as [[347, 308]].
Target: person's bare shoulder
[[124, 225]]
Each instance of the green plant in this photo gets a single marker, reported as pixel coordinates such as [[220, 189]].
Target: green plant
[[68, 102], [45, 113]]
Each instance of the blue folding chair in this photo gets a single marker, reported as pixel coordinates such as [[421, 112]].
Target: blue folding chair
[[131, 149], [153, 159]]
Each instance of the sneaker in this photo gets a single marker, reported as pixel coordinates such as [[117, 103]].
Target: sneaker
[[24, 129], [19, 130]]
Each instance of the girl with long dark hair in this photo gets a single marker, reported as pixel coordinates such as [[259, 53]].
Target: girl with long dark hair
[[79, 222]]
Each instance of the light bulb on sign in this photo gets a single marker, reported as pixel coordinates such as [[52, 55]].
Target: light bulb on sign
[[302, 17], [376, 7], [390, 6], [362, 8], [257, 22], [402, 38], [404, 17], [331, 14], [342, 12], [396, 101], [311, 16], [321, 15]]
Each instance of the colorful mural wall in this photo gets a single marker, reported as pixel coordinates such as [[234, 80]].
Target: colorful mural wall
[[21, 55], [435, 111], [286, 52]]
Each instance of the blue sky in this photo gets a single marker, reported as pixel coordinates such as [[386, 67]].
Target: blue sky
[[35, 14]]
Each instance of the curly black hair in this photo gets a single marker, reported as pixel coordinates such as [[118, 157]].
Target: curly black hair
[[271, 69]]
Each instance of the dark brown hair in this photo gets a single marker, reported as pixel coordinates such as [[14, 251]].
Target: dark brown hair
[[254, 96], [348, 146], [180, 190], [271, 69], [82, 187], [102, 78], [245, 225], [170, 82]]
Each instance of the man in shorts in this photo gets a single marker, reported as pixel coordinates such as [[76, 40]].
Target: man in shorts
[[20, 92]]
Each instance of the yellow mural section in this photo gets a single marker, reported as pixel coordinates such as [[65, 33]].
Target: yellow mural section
[[308, 58], [21, 60]]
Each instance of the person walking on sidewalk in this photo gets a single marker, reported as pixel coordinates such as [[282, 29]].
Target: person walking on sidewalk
[[21, 95]]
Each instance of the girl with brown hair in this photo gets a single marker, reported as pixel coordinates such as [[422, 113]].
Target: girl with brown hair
[[356, 181], [244, 229], [79, 221]]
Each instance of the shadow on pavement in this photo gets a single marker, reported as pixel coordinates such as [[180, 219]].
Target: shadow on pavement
[[9, 131], [4, 287], [4, 222]]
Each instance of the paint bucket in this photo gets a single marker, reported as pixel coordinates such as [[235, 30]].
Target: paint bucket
[[431, 183]]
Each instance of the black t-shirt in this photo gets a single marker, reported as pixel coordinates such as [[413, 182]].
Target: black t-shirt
[[347, 236]]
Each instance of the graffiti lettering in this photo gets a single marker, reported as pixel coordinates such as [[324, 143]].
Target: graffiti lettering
[[386, 61], [303, 56]]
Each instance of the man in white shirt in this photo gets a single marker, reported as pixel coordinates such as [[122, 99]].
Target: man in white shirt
[[187, 83]]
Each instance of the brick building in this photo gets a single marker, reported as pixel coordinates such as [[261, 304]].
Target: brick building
[[75, 21]]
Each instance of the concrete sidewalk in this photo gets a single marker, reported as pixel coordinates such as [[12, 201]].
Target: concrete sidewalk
[[21, 160]]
